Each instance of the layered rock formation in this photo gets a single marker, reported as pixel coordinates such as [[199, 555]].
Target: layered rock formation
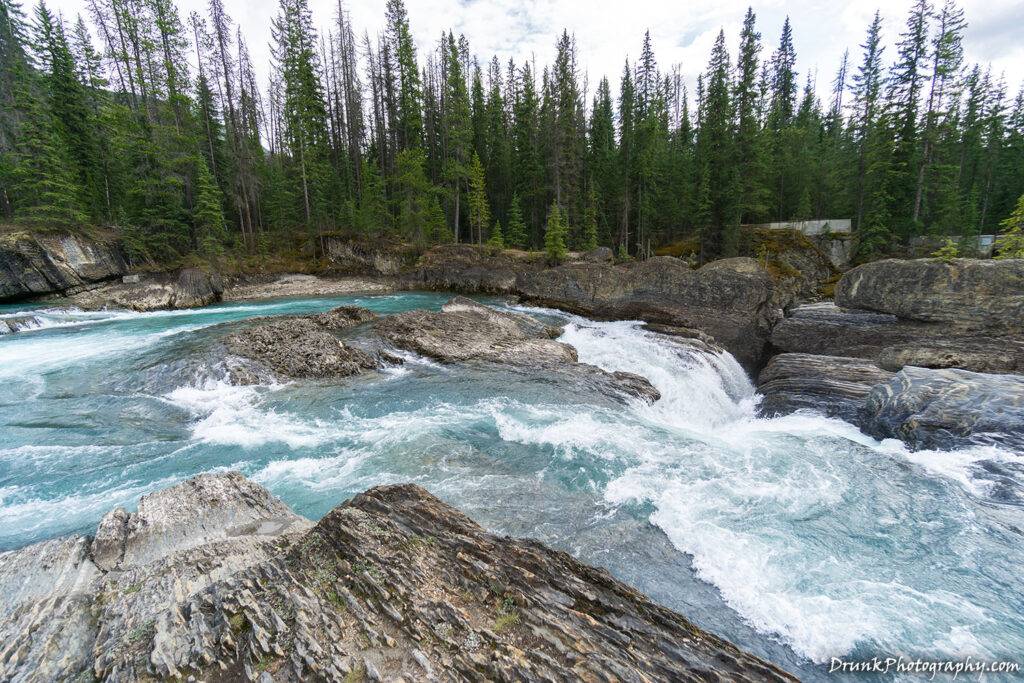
[[187, 288], [833, 385], [37, 264], [953, 332], [735, 301], [337, 344], [214, 579], [947, 409], [967, 295]]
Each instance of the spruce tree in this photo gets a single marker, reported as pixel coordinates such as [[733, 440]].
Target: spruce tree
[[517, 235], [479, 210], [554, 236], [1011, 242], [496, 240]]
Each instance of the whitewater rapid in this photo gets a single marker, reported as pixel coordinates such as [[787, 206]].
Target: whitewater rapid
[[798, 537]]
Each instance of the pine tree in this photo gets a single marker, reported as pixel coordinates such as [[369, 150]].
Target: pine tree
[[554, 236], [589, 241], [479, 210], [496, 240], [718, 217], [750, 152], [1011, 242], [45, 189], [209, 230], [517, 235]]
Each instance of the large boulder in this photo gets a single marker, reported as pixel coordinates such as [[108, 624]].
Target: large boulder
[[74, 608], [964, 294], [226, 583], [947, 409], [352, 257], [733, 300], [468, 331], [187, 288], [37, 264], [832, 385], [302, 347], [469, 269]]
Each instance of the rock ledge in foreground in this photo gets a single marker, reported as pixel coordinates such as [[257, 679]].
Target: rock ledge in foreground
[[392, 584]]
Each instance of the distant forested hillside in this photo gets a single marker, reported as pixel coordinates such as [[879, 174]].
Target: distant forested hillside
[[155, 125]]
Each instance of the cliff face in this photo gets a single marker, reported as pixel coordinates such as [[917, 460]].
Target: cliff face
[[33, 265], [217, 579]]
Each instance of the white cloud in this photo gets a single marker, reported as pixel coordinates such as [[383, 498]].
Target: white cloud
[[607, 31]]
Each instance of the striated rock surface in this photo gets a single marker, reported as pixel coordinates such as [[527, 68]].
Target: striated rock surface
[[947, 409], [392, 585], [892, 342], [733, 300], [188, 288], [966, 294], [468, 331], [299, 284], [833, 385], [978, 354], [303, 346], [469, 269], [367, 258], [826, 329], [37, 264]]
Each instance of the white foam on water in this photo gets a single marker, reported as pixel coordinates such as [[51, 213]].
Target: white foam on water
[[30, 513], [318, 474], [233, 415], [733, 491]]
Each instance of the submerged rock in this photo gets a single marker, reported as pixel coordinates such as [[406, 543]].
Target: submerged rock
[[17, 323], [947, 409], [188, 288], [303, 346], [391, 585], [38, 264], [832, 385]]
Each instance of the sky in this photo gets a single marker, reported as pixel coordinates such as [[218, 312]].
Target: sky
[[609, 31]]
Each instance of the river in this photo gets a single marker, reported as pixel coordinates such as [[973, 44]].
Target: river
[[798, 538]]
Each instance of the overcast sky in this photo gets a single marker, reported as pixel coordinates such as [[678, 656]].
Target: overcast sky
[[607, 31]]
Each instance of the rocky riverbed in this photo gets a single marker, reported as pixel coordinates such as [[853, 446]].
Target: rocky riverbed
[[215, 579]]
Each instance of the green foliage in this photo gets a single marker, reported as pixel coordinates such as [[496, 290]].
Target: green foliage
[[363, 137], [479, 210], [948, 251], [554, 235], [496, 240], [1011, 242], [516, 233]]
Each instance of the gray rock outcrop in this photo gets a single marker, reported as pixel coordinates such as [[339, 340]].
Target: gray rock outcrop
[[833, 385], [733, 300], [303, 347], [947, 409], [963, 294], [188, 288], [468, 331], [226, 583], [36, 264]]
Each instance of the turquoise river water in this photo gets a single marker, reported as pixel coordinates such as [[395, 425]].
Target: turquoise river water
[[798, 538]]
